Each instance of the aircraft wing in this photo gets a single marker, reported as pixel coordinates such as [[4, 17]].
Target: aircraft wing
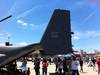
[[9, 54]]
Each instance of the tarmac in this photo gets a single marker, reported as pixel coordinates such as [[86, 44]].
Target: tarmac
[[51, 69]]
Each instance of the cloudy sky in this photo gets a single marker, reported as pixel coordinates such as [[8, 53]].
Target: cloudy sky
[[30, 18]]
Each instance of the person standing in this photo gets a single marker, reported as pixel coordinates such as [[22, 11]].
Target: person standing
[[60, 66], [37, 66], [24, 66], [28, 71], [81, 65], [55, 60], [93, 61], [44, 66], [65, 68], [98, 64], [49, 60], [74, 66]]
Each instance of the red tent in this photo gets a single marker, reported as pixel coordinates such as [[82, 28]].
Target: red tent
[[76, 53]]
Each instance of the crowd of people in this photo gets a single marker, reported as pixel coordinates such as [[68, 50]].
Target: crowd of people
[[92, 62], [63, 66]]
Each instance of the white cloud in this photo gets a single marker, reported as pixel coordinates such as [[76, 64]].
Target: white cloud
[[19, 21], [32, 25], [2, 44], [86, 34], [76, 38], [22, 23], [22, 44], [93, 33]]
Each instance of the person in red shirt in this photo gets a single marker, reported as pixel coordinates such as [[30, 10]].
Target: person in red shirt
[[98, 63], [44, 66]]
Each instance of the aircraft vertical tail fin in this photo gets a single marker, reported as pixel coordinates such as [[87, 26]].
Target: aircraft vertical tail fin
[[57, 37]]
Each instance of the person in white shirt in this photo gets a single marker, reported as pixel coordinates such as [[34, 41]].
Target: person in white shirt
[[60, 66], [74, 66], [24, 66]]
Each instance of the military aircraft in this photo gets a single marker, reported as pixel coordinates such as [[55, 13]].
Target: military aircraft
[[56, 40]]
